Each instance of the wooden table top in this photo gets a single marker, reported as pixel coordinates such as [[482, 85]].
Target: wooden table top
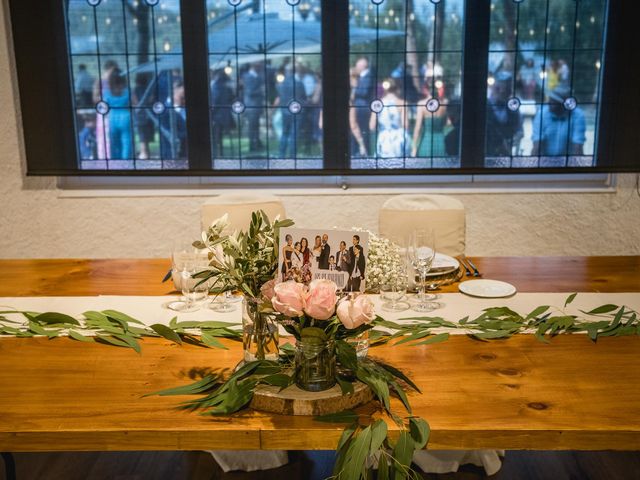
[[571, 394]]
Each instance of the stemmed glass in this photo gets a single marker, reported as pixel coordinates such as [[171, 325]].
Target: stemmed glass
[[187, 261], [422, 251]]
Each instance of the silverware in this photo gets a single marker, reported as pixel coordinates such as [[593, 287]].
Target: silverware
[[466, 268], [476, 273]]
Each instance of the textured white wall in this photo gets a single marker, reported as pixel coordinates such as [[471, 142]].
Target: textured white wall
[[35, 222]]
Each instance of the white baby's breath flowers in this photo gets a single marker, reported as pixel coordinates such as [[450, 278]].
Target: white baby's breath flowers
[[384, 262]]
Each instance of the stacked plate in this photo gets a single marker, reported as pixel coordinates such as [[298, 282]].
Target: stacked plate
[[443, 265]]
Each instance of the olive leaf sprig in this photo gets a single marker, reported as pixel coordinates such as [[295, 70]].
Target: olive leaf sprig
[[242, 261], [115, 328], [502, 322], [363, 440]]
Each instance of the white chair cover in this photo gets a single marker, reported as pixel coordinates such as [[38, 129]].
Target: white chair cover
[[239, 207], [249, 460], [402, 214], [447, 461]]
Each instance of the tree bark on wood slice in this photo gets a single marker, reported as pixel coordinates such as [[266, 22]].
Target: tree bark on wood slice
[[295, 401]]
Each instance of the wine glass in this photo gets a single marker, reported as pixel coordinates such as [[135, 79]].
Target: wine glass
[[422, 251], [187, 261]]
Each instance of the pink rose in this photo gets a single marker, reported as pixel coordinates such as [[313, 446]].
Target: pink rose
[[289, 298], [267, 289], [321, 299], [355, 312]]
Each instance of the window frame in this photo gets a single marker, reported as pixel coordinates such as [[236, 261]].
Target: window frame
[[48, 118]]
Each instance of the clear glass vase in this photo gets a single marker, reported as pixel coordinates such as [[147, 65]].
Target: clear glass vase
[[259, 333], [315, 363]]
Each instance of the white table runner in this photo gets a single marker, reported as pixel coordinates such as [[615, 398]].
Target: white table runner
[[149, 309]]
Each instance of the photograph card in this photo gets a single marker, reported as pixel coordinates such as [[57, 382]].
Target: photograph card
[[306, 254]]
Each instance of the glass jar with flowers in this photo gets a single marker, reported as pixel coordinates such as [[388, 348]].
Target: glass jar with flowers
[[321, 324], [246, 262]]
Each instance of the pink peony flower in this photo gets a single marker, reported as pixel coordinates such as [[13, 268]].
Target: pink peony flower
[[267, 289], [290, 298], [321, 299], [354, 312]]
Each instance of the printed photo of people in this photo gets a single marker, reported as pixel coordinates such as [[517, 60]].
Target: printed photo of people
[[339, 255]]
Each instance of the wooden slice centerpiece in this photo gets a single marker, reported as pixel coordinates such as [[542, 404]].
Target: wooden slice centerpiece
[[295, 401]]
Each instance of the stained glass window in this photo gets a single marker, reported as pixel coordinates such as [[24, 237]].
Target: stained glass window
[[406, 63], [230, 87], [543, 87], [265, 84], [129, 95]]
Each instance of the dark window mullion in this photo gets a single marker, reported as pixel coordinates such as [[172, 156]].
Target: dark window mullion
[[335, 84], [616, 131], [474, 82], [195, 48], [47, 113]]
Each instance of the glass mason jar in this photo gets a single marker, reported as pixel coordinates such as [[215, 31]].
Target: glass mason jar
[[259, 333], [315, 363]]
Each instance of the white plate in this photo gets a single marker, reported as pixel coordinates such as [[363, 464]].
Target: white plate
[[443, 264], [487, 288]]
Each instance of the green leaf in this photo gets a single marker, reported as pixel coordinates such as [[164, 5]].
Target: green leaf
[[398, 374], [166, 332], [618, 317], [78, 336], [346, 387], [212, 341], [96, 316], [536, 312], [492, 334], [401, 394], [112, 340], [132, 342], [346, 416], [414, 336], [420, 431], [206, 383], [383, 468], [38, 330], [281, 380], [440, 337], [346, 434], [121, 316], [311, 334], [357, 454], [55, 317], [347, 355], [570, 299], [602, 309], [403, 455], [378, 435]]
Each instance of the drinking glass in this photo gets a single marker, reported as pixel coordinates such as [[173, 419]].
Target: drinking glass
[[187, 261], [394, 291], [422, 251], [223, 302]]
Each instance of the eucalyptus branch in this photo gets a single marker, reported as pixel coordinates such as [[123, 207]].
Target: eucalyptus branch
[[115, 328]]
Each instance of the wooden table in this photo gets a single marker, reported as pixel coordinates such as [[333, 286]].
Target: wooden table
[[514, 394]]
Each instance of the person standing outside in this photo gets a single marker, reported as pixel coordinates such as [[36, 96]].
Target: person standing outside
[[504, 126], [556, 130], [363, 94], [291, 88], [254, 98], [84, 87]]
